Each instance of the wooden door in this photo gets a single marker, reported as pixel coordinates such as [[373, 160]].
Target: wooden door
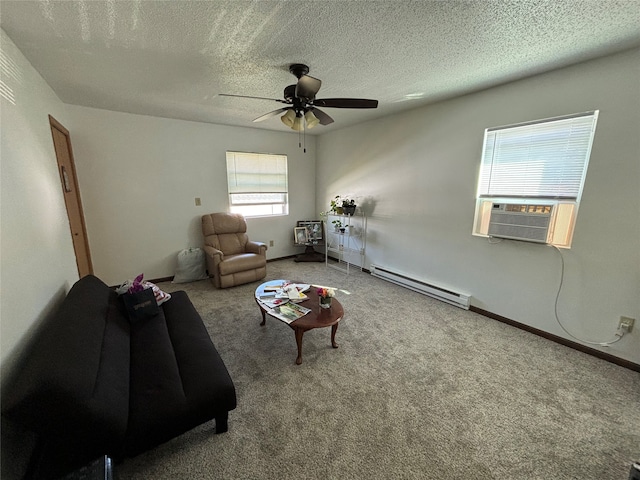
[[69, 181]]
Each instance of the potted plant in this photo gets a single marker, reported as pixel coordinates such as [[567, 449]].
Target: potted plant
[[337, 225], [336, 205], [348, 206]]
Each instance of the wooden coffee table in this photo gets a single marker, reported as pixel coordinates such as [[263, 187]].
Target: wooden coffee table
[[316, 318]]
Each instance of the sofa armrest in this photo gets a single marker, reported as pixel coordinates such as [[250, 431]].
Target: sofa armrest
[[258, 248]]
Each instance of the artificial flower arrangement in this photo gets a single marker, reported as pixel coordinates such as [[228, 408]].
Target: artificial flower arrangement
[[325, 292]]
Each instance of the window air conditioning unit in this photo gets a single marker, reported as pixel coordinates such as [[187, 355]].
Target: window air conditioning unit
[[519, 221]]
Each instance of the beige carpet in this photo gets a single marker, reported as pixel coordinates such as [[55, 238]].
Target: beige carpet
[[418, 389]]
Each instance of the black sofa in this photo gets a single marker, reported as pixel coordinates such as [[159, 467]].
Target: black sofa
[[94, 382]]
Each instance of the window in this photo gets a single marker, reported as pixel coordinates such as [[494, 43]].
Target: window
[[258, 184], [537, 163]]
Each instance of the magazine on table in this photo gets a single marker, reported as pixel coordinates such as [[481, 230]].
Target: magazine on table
[[288, 312], [293, 292], [273, 302]]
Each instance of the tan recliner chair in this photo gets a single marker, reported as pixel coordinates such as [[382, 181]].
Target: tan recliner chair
[[232, 259]]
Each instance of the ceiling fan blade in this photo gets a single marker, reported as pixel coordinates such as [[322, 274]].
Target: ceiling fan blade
[[345, 103], [256, 98], [307, 87], [323, 117], [272, 114]]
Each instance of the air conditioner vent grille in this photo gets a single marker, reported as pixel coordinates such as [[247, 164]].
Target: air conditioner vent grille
[[520, 222]]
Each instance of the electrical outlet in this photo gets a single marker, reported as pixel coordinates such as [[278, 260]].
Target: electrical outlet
[[626, 324], [271, 243], [198, 202]]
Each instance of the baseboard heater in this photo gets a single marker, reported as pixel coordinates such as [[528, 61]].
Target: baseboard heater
[[458, 299]]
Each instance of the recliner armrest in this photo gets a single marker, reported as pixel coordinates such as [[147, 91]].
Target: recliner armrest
[[213, 257], [213, 253], [258, 248]]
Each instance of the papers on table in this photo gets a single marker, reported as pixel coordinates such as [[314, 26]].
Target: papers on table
[[288, 312], [281, 300], [273, 302], [293, 292], [303, 287], [284, 309]]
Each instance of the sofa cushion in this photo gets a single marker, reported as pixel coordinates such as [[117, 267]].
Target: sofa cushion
[[178, 379]]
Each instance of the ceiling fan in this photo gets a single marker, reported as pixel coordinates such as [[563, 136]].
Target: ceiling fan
[[302, 104]]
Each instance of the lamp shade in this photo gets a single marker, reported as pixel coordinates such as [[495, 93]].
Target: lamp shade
[[311, 119], [298, 124], [288, 118]]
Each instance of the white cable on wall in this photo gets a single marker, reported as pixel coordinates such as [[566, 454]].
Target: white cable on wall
[[619, 335], [602, 344]]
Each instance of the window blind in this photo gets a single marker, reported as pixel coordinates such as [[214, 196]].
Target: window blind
[[543, 159], [256, 178]]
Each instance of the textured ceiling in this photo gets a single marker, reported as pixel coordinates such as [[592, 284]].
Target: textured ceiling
[[173, 58]]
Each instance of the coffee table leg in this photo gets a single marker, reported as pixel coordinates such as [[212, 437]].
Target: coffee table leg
[[334, 329], [299, 333], [264, 319]]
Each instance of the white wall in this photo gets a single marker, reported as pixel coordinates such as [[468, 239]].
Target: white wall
[[416, 173], [139, 177], [38, 264]]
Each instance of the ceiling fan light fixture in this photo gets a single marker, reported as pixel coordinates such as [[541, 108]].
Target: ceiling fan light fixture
[[288, 118], [311, 119], [298, 124], [301, 110]]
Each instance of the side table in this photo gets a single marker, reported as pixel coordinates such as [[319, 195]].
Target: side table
[[316, 318]]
